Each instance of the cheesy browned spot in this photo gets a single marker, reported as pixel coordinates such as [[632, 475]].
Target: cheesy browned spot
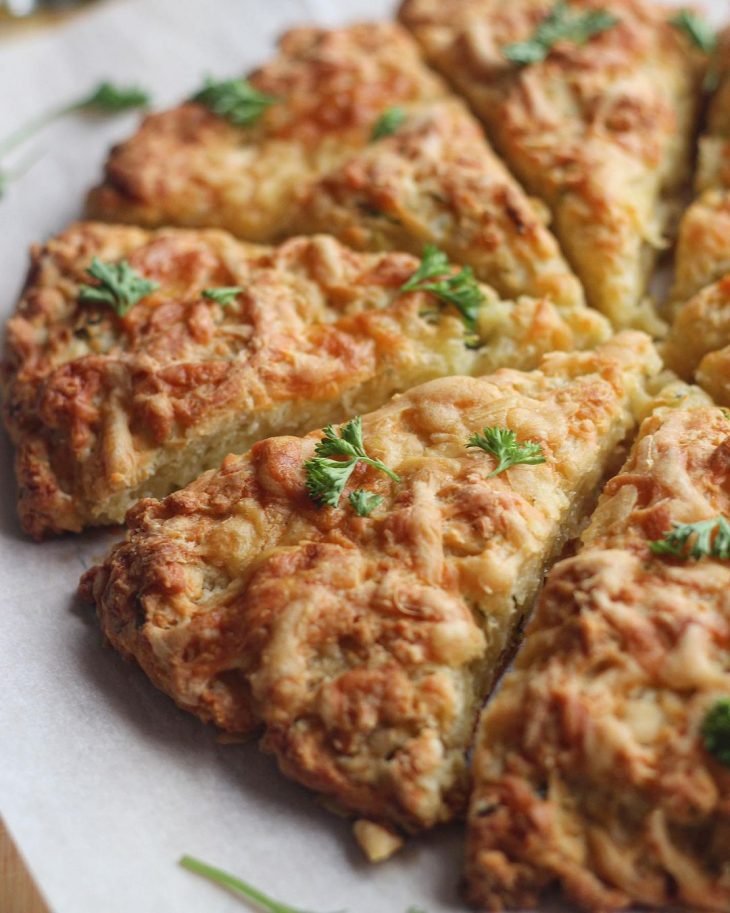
[[435, 180], [601, 132], [105, 410], [590, 772], [364, 646]]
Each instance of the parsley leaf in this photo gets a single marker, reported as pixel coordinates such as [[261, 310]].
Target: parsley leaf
[[702, 545], [716, 731], [119, 286], [364, 502], [561, 24], [223, 295], [388, 122], [234, 99], [261, 900], [107, 98], [327, 477], [697, 29], [460, 290], [502, 444]]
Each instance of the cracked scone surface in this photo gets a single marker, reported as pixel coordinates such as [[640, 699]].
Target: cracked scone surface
[[362, 647], [589, 772], [601, 132], [105, 409], [310, 164]]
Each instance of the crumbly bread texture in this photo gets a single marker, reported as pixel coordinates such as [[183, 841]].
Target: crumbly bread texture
[[698, 344], [590, 772], [363, 647], [106, 409], [703, 245], [602, 132], [435, 179]]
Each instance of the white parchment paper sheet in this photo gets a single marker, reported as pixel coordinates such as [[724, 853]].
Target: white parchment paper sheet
[[103, 782]]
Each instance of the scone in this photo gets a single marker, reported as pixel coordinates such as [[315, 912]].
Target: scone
[[361, 638], [401, 163], [703, 245], [600, 129], [230, 343], [602, 767]]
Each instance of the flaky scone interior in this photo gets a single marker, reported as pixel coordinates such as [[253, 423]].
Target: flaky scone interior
[[362, 643]]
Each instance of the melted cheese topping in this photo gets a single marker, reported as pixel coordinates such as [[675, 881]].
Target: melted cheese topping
[[363, 646], [590, 772]]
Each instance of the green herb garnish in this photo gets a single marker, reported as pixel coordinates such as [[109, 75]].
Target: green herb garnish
[[261, 900], [561, 24], [327, 477], [119, 286], [697, 29], [224, 295], [502, 444], [695, 540], [364, 502], [234, 99], [460, 290], [106, 98], [716, 731], [388, 122]]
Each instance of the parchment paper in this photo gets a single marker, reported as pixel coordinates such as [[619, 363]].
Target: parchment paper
[[104, 783]]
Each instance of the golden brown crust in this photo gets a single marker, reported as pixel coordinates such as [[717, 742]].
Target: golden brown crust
[[601, 132], [310, 165], [590, 773], [190, 167], [363, 646], [104, 410]]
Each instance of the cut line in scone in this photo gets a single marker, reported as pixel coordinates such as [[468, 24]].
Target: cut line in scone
[[703, 243], [230, 343], [362, 141], [602, 767], [363, 646], [600, 128]]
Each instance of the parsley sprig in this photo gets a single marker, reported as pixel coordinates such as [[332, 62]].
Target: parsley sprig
[[234, 99], [388, 122], [119, 285], [561, 24], [698, 30], [696, 540], [223, 295], [460, 289], [105, 98], [503, 444], [716, 731], [364, 502], [327, 477]]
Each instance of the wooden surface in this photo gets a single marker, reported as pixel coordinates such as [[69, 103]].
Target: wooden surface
[[18, 894]]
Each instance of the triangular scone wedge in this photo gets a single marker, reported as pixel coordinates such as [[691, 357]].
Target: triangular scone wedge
[[602, 132], [435, 179], [592, 769], [190, 167], [698, 344], [106, 409], [703, 245], [363, 646]]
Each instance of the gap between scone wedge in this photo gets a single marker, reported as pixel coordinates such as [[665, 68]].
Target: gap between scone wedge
[[602, 767], [136, 360], [362, 646]]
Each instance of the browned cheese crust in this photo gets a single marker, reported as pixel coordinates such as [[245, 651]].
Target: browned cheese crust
[[363, 646], [590, 772], [703, 246], [105, 410], [601, 132], [436, 180]]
